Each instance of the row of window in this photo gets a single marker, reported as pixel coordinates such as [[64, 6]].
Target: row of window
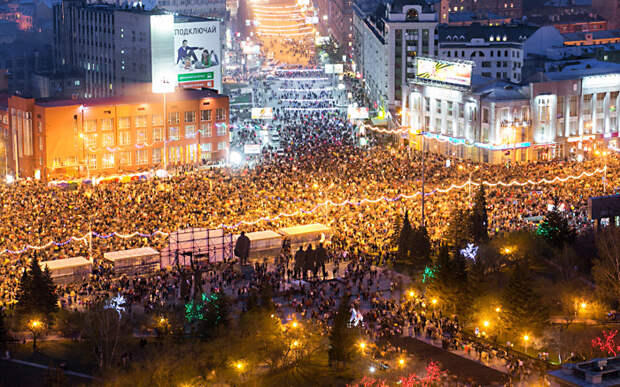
[[156, 119], [492, 53], [176, 154], [174, 133]]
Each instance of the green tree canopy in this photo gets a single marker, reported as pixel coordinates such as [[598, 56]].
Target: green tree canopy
[[36, 294], [523, 309]]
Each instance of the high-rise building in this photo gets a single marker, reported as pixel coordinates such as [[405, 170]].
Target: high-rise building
[[341, 25], [111, 46], [387, 43]]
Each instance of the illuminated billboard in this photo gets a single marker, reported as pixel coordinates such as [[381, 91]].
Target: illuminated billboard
[[162, 43], [265, 113], [198, 54], [357, 113], [251, 149], [337, 68], [455, 73]]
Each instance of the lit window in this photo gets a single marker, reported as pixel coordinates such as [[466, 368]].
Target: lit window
[[108, 160]]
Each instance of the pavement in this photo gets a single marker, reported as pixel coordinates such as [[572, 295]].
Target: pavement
[[464, 368]]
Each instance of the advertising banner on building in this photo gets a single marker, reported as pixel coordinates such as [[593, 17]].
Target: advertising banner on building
[[455, 73], [265, 113], [162, 43], [357, 113], [251, 149], [336, 68], [197, 54]]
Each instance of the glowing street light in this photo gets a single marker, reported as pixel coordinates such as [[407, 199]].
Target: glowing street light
[[362, 345], [239, 366], [401, 362], [294, 324], [498, 309], [485, 324], [35, 327], [583, 305], [411, 293]]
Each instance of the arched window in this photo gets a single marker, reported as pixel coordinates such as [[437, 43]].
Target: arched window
[[412, 15]]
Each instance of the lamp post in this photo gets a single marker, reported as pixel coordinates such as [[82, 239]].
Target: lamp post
[[605, 172], [35, 327], [526, 339], [165, 134], [423, 178]]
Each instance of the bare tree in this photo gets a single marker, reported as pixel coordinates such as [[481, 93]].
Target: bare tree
[[106, 328], [606, 269]]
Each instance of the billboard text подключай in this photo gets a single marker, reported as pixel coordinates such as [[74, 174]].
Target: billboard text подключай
[[197, 54]]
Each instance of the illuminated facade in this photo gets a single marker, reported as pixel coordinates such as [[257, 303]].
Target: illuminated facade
[[565, 116], [52, 139], [489, 122]]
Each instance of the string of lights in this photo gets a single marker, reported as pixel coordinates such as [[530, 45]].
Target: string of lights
[[307, 100], [312, 109], [284, 33], [311, 89], [326, 203], [320, 69], [303, 79], [283, 28]]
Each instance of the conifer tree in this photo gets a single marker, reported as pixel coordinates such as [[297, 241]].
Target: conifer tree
[[522, 306], [36, 294], [342, 339], [480, 218]]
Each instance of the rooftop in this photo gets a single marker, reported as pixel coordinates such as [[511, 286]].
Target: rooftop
[[606, 34], [575, 69], [491, 89], [513, 33], [183, 95], [465, 16], [603, 372], [397, 5]]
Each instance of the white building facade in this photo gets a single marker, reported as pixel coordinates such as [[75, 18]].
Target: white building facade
[[497, 51], [497, 121], [386, 45]]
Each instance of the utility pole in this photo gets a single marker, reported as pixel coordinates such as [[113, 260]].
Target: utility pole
[[423, 178]]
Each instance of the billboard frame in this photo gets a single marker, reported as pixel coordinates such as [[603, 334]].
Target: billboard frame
[[425, 81]]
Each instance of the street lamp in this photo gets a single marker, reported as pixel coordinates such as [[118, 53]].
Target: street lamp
[[35, 327], [526, 339]]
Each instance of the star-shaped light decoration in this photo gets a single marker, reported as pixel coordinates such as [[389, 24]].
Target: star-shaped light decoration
[[470, 251], [117, 303]]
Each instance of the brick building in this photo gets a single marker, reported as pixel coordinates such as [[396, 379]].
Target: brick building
[[52, 138]]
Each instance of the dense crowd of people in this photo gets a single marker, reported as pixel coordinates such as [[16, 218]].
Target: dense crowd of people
[[322, 162]]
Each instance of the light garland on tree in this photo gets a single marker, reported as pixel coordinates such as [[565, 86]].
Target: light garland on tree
[[301, 212]]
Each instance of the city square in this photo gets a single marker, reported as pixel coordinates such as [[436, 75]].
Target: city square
[[299, 193]]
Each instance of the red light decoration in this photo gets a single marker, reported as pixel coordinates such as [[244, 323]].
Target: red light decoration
[[607, 343], [433, 375]]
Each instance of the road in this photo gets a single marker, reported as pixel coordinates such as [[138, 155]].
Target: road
[[465, 369]]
